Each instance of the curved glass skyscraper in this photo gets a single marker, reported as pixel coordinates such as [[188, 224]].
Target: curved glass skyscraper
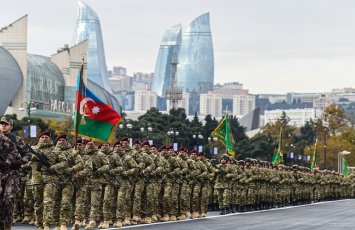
[[195, 71], [168, 50], [88, 28]]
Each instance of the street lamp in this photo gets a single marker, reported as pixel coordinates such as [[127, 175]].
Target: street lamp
[[172, 134], [29, 107], [149, 129], [340, 155], [325, 124]]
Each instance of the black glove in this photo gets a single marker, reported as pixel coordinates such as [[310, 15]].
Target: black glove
[[16, 164]]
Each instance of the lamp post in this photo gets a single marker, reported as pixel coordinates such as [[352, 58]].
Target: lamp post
[[147, 131], [29, 107], [326, 125], [340, 155], [172, 134], [198, 137], [213, 140]]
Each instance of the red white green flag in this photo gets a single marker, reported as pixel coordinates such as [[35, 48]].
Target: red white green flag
[[94, 119]]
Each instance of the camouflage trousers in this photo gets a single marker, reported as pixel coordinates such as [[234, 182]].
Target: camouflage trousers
[[184, 198], [170, 198], [252, 192], [223, 197], [109, 203], [49, 199], [92, 200], [9, 187], [63, 204], [195, 198], [147, 199], [156, 190], [18, 211], [29, 202], [203, 198], [38, 190], [79, 203], [124, 200], [137, 197]]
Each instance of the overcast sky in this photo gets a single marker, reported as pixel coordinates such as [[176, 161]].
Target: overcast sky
[[271, 46]]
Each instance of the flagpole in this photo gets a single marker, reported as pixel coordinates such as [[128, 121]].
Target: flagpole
[[77, 102]]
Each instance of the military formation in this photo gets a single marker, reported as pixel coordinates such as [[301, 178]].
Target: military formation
[[103, 185]]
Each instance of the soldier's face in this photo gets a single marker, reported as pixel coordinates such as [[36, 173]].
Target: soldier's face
[[223, 161], [44, 139], [193, 156], [5, 127], [201, 157], [117, 148], [145, 148], [105, 147], [154, 150], [80, 146]]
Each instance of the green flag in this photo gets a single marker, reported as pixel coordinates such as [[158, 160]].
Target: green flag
[[278, 157], [224, 135], [346, 170], [315, 157]]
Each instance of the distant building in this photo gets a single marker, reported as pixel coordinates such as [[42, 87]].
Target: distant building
[[144, 100], [184, 103], [293, 98], [88, 28], [243, 104], [120, 82], [298, 117], [211, 103]]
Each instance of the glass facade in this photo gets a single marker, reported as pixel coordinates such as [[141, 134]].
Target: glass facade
[[88, 28], [169, 49], [11, 79], [45, 81], [195, 71]]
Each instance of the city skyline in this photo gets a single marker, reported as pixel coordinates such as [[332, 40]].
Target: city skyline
[[269, 46]]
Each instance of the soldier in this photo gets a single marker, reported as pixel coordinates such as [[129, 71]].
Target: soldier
[[95, 165], [79, 182], [204, 180], [124, 169], [167, 183], [45, 146], [109, 189], [221, 185], [6, 125], [10, 162]]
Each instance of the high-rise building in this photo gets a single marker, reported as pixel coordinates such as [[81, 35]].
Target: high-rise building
[[298, 117], [211, 103], [243, 104], [88, 28], [144, 100], [195, 71], [168, 50]]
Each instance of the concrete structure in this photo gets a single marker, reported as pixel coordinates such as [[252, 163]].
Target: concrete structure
[[211, 103], [144, 100], [183, 103], [301, 97], [13, 38], [120, 82], [298, 117]]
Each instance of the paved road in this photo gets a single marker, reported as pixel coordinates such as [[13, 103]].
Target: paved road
[[320, 216]]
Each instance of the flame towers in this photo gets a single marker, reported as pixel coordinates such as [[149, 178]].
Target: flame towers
[[88, 28], [194, 53]]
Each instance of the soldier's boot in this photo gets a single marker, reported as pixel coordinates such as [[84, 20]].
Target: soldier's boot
[[232, 208], [8, 226], [118, 224], [91, 225], [154, 218], [32, 222], [57, 227], [105, 225], [134, 220], [76, 225], [63, 227], [148, 220], [165, 218], [26, 220], [223, 211], [203, 215], [182, 217], [46, 227], [172, 218], [126, 222]]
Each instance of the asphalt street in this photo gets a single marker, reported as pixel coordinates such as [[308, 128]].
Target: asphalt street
[[330, 215]]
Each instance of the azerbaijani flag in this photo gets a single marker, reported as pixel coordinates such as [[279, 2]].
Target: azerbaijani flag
[[346, 171], [223, 133], [93, 118], [314, 164], [278, 157]]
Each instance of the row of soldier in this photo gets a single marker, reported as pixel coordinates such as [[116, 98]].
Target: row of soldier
[[122, 185]]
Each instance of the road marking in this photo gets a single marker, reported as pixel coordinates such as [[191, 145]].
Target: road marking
[[231, 214]]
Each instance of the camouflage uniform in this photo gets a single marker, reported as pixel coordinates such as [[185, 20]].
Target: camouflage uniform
[[204, 179], [222, 186], [95, 165], [9, 179]]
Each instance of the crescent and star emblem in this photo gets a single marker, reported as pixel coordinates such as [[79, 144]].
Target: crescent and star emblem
[[85, 110]]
